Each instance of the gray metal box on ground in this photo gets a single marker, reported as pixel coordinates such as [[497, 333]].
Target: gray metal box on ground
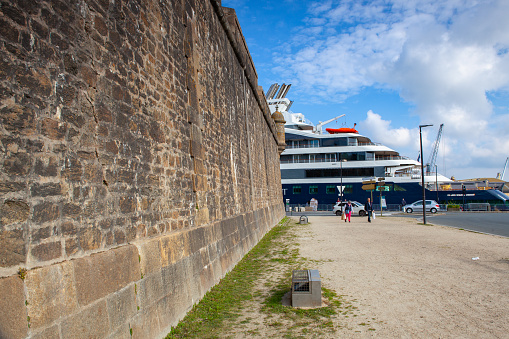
[[306, 288]]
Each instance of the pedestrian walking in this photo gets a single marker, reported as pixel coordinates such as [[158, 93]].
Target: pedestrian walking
[[368, 207], [403, 203], [348, 211]]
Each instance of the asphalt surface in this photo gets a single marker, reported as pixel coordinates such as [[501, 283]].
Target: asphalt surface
[[490, 223]]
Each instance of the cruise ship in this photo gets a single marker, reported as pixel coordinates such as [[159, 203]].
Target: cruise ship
[[333, 164]]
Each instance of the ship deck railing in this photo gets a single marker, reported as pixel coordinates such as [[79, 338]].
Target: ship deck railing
[[289, 146], [305, 161]]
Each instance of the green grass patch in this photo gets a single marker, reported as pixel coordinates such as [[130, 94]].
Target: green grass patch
[[258, 284], [223, 302]]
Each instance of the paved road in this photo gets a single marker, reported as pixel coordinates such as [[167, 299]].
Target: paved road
[[491, 223]]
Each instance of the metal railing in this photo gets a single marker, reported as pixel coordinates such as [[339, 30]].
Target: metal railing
[[305, 161], [395, 207]]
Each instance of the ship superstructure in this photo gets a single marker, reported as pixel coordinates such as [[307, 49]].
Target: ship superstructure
[[327, 165]]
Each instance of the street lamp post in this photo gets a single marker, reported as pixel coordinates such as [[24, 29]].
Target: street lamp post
[[422, 175], [436, 181], [342, 189]]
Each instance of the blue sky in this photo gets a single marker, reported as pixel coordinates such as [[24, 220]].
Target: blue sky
[[391, 65]]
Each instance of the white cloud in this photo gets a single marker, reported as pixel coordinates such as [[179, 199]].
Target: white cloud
[[381, 131], [443, 56]]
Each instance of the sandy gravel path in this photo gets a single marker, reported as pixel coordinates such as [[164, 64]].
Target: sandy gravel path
[[414, 281]]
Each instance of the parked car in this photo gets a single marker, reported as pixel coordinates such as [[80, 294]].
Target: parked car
[[357, 208], [431, 206]]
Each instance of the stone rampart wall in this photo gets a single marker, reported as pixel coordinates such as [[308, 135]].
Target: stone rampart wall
[[139, 163]]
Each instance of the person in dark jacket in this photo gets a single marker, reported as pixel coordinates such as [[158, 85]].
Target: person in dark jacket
[[368, 207]]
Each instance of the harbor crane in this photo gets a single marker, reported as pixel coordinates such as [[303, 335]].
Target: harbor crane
[[433, 156], [318, 127], [501, 175]]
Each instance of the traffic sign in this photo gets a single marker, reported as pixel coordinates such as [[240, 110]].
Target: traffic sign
[[368, 187], [368, 182]]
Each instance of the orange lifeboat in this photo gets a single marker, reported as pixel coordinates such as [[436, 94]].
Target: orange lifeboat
[[342, 130]]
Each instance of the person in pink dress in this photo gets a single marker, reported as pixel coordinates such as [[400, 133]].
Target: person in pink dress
[[348, 211]]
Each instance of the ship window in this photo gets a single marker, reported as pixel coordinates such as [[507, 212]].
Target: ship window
[[331, 142], [300, 158], [286, 159], [330, 189], [313, 189], [296, 189], [336, 172], [348, 189], [352, 141], [353, 156], [319, 157]]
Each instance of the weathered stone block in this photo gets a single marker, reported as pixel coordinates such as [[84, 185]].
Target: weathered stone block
[[47, 251], [51, 294], [7, 187], [46, 189], [89, 238], [199, 166], [200, 183], [13, 211], [13, 314], [96, 324], [41, 233], [71, 247], [89, 75], [8, 31], [146, 325], [45, 212], [52, 332], [18, 119], [72, 169], [168, 312], [151, 289], [53, 129], [18, 164], [202, 216], [14, 14], [103, 113], [122, 307], [92, 173], [105, 273], [12, 247], [174, 248], [150, 255], [70, 210], [46, 168], [128, 204], [120, 237], [71, 116]]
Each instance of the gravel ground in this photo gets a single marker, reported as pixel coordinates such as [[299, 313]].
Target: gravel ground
[[411, 280]]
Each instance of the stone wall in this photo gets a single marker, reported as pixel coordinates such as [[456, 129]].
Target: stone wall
[[139, 163]]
